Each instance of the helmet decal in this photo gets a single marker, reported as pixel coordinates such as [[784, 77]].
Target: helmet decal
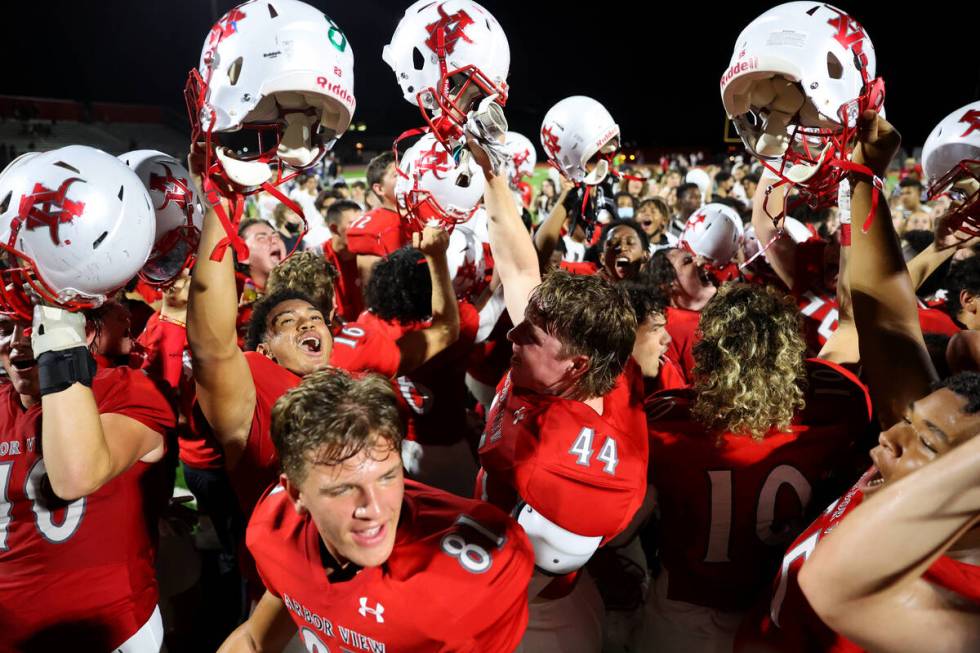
[[44, 207]]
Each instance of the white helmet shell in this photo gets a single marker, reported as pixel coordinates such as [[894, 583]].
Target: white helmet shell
[[522, 156], [956, 138], [265, 61], [700, 178], [432, 185], [179, 217], [714, 232], [472, 38], [573, 132], [81, 222]]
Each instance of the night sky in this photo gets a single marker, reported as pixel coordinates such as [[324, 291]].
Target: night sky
[[655, 66]]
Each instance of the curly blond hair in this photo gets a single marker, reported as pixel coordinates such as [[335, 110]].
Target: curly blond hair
[[307, 272], [749, 371]]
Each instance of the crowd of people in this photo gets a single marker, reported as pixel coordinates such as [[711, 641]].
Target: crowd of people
[[690, 405]]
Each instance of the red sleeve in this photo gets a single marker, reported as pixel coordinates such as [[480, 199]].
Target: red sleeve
[[360, 348], [935, 321], [469, 323], [376, 233], [682, 325], [129, 392]]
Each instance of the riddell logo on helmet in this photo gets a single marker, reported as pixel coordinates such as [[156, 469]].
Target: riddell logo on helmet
[[738, 69], [49, 208], [336, 89]]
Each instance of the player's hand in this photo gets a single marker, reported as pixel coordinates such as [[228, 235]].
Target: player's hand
[[195, 166], [878, 141], [55, 329], [950, 233], [433, 241], [567, 186]]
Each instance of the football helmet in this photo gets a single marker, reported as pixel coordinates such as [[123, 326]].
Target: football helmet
[[522, 157], [178, 214], [951, 162], [434, 185], [448, 56], [713, 232], [273, 91], [76, 225], [580, 137], [800, 76]]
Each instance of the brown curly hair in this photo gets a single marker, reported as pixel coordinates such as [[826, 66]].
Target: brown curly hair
[[331, 417], [749, 370], [307, 272]]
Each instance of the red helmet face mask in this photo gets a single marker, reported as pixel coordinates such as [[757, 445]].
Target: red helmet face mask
[[962, 186]]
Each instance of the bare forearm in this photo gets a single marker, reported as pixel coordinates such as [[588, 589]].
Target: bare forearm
[[889, 541], [76, 454], [926, 262], [510, 243], [548, 233], [212, 308], [445, 308]]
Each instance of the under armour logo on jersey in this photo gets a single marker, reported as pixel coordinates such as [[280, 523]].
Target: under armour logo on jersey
[[550, 142], [226, 26], [447, 30], [378, 610], [849, 34], [174, 189], [49, 208], [972, 118]]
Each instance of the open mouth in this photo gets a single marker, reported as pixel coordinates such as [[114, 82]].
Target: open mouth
[[23, 364], [311, 344], [623, 265], [370, 536]]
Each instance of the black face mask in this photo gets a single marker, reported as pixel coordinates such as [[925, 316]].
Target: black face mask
[[293, 227]]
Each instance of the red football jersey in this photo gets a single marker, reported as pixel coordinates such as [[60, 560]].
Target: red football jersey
[[76, 574], [435, 393], [456, 580], [378, 232], [347, 287], [670, 377], [682, 325], [729, 504], [559, 455], [785, 621]]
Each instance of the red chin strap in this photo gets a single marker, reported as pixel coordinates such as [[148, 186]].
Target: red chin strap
[[219, 186], [829, 151]]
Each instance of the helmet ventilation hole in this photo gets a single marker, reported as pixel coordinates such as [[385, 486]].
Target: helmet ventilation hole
[[122, 191], [62, 164], [418, 60], [834, 67], [813, 10], [234, 70], [272, 11], [5, 204], [98, 241]]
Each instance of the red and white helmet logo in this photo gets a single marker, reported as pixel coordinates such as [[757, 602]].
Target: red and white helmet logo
[[173, 189], [850, 34], [971, 118], [49, 208], [452, 26], [225, 27], [434, 160], [550, 142]]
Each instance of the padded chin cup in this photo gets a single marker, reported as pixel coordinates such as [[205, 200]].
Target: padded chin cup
[[598, 173], [243, 173]]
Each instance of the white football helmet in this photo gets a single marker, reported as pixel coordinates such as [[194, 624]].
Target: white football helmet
[[713, 232], [75, 226], [468, 256], [699, 178], [522, 157], [433, 185], [178, 214], [580, 136], [277, 67], [951, 162], [447, 56], [800, 76]]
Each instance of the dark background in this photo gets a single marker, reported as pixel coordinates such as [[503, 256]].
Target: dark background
[[655, 66]]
